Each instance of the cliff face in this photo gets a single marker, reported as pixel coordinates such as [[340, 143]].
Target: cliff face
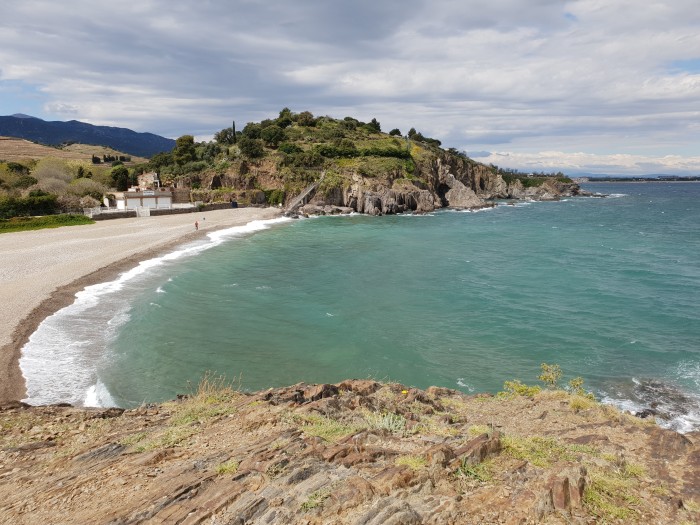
[[440, 180], [353, 452]]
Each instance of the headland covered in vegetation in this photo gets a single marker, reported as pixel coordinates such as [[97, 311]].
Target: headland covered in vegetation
[[334, 165]]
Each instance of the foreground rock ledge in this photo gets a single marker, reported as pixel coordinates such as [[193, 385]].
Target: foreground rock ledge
[[357, 452]]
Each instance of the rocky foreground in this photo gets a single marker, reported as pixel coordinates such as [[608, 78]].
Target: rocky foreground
[[357, 452]]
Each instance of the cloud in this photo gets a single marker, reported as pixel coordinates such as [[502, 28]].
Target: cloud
[[582, 75], [588, 163]]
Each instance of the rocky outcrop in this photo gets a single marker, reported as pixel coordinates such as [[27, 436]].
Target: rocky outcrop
[[442, 180], [549, 190], [355, 452]]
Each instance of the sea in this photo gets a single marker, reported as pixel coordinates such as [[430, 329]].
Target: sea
[[606, 287]]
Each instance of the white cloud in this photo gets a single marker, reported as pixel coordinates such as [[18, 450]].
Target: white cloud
[[597, 76], [588, 163]]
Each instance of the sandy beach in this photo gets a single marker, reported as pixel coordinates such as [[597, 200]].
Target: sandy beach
[[40, 271]]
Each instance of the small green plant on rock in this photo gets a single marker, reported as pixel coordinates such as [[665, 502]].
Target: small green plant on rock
[[551, 375], [316, 499], [412, 461], [480, 472], [227, 467], [516, 388], [394, 423], [326, 428]]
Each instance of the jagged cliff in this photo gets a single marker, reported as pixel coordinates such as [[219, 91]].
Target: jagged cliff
[[346, 165], [357, 452]]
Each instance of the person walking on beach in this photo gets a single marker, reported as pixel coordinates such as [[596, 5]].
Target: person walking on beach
[[196, 226]]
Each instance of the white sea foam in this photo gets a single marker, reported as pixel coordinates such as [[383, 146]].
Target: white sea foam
[[463, 384], [61, 359], [677, 408], [98, 396]]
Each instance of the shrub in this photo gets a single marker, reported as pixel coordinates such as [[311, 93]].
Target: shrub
[[37, 203], [550, 376], [396, 132], [274, 197], [272, 135], [289, 148], [252, 148], [24, 182], [516, 388], [306, 118]]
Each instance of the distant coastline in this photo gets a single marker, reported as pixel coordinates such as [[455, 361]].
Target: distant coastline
[[637, 179]]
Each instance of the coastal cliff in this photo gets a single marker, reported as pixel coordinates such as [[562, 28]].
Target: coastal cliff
[[319, 165], [358, 452]]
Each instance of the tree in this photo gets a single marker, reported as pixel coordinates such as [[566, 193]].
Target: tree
[[285, 119], [120, 177], [159, 160], [306, 118], [252, 130], [252, 148], [184, 151], [396, 132], [225, 136], [272, 135], [374, 124]]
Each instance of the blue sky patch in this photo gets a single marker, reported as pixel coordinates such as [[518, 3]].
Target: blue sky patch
[[685, 66]]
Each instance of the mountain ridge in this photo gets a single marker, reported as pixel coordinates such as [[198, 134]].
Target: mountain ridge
[[59, 132]]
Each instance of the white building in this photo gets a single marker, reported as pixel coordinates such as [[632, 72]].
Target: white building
[[152, 199]]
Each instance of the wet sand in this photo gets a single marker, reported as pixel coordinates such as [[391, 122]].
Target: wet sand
[[40, 271]]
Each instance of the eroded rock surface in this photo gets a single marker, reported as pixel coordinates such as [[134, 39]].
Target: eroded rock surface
[[357, 452]]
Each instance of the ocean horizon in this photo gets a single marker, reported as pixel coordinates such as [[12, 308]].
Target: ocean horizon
[[608, 288]]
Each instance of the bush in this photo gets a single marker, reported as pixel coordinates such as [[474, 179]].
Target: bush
[[37, 203], [289, 148], [274, 197], [550, 376], [396, 132], [252, 130], [272, 135], [252, 148], [24, 182], [306, 118], [304, 159]]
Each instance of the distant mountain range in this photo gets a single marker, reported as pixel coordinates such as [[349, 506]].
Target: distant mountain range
[[57, 133]]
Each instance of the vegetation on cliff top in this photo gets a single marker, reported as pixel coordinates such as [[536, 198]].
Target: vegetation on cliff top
[[266, 162]]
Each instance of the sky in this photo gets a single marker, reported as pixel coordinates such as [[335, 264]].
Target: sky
[[584, 86]]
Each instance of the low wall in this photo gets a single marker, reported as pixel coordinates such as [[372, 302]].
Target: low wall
[[172, 211], [163, 211], [114, 215]]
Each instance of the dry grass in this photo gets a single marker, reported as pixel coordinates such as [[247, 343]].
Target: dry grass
[[14, 149]]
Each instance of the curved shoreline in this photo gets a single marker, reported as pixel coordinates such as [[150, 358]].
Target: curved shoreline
[[41, 271]]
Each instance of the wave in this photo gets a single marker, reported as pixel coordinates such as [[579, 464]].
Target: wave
[[672, 406], [61, 359]]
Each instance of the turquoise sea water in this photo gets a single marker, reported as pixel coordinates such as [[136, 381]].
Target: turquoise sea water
[[607, 288]]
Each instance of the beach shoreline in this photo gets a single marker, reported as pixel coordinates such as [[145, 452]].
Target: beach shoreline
[[42, 270]]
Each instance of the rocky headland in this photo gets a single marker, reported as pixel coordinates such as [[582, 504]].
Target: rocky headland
[[357, 452], [323, 165]]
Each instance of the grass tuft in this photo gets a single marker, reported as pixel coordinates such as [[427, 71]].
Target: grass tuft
[[227, 467], [389, 421], [326, 428], [412, 461], [316, 499]]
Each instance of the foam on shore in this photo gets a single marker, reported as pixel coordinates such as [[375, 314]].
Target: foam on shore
[[61, 360]]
